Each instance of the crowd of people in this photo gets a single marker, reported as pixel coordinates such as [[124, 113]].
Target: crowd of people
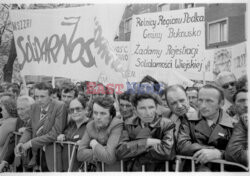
[[146, 126]]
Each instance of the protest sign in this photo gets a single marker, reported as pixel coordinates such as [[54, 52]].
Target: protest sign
[[69, 42], [231, 59], [168, 40]]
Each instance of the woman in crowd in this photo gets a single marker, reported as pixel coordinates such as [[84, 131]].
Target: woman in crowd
[[74, 130], [8, 121]]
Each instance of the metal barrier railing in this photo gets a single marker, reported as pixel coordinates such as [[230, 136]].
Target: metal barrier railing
[[221, 162], [70, 153], [16, 138]]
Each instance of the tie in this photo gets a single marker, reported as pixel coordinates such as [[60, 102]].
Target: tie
[[43, 117]]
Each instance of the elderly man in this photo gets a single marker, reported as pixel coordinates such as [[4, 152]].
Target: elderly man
[[23, 107], [227, 81], [47, 122], [205, 136], [101, 136], [147, 139]]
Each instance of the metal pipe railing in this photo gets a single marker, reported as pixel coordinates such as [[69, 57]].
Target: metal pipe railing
[[219, 161]]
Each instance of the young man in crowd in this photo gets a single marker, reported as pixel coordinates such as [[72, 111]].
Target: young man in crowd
[[240, 103], [125, 106], [101, 136], [192, 94], [147, 139], [47, 122], [205, 136], [68, 92]]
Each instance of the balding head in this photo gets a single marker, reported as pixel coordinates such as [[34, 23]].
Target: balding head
[[227, 81]]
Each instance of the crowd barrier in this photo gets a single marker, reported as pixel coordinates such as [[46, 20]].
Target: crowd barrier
[[71, 153], [5, 146], [221, 162], [72, 149]]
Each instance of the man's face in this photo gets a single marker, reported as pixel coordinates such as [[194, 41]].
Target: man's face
[[23, 109], [193, 97], [208, 102], [146, 110], [228, 83], [67, 97], [101, 116], [241, 103], [126, 108], [42, 97], [178, 102]]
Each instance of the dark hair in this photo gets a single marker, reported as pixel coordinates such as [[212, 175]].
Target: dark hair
[[44, 86], [124, 96], [8, 94], [191, 88], [213, 86], [242, 82], [15, 88], [239, 91], [81, 86], [107, 103], [68, 87], [57, 92], [149, 79], [10, 106], [138, 97], [83, 101]]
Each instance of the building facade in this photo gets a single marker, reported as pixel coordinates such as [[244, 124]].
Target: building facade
[[225, 22]]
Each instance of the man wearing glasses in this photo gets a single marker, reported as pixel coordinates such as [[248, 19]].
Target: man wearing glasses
[[227, 81]]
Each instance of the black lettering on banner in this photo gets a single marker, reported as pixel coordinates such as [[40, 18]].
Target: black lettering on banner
[[49, 48]]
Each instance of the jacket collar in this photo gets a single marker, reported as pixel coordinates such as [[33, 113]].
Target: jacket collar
[[135, 121]]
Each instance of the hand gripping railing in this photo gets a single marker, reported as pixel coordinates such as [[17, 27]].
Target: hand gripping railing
[[221, 162], [71, 154], [16, 138]]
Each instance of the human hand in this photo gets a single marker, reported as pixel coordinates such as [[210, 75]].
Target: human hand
[[61, 137], [21, 130], [19, 149], [93, 143], [205, 155], [152, 142], [26, 146]]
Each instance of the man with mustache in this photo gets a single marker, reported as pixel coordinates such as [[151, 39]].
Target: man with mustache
[[205, 136], [227, 81], [179, 105], [147, 138]]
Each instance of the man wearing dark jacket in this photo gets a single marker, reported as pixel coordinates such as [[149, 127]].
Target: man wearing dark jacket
[[205, 136], [147, 139], [237, 148]]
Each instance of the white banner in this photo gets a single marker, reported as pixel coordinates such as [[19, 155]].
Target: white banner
[[168, 40], [232, 59], [70, 42]]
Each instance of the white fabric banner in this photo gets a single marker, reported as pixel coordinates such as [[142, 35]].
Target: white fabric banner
[[173, 40], [69, 42], [232, 59]]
